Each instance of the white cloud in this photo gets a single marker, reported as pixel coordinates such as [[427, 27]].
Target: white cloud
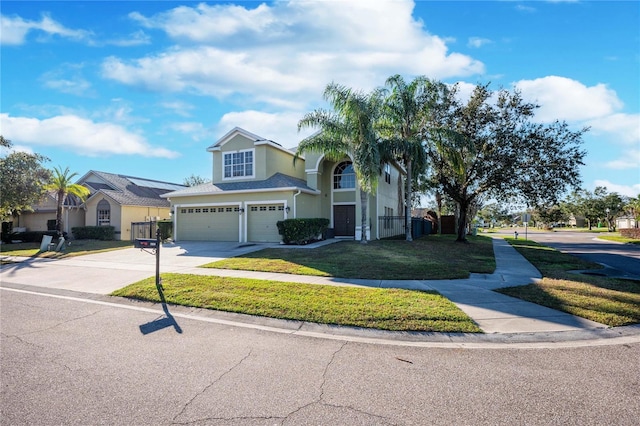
[[597, 107], [477, 42], [624, 127], [280, 127], [285, 53], [631, 160], [134, 39], [566, 99], [628, 190], [194, 129], [14, 30], [77, 134], [178, 108]]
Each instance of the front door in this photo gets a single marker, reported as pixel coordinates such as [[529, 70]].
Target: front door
[[344, 220]]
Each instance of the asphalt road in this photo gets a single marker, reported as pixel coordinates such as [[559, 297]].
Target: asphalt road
[[85, 362], [624, 257]]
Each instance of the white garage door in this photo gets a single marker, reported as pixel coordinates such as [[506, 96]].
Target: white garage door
[[218, 223], [261, 222]]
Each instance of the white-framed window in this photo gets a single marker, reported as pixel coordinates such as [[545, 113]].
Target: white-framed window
[[344, 177], [104, 213], [238, 164], [387, 173]]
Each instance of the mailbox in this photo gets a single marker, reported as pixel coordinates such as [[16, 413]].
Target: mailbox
[[146, 243]]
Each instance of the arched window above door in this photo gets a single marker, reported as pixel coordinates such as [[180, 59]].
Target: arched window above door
[[344, 177]]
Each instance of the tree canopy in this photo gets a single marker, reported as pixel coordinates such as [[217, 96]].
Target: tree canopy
[[62, 183], [404, 116], [22, 180], [490, 146]]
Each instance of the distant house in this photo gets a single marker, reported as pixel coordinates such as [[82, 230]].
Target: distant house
[[626, 222], [115, 200], [255, 184]]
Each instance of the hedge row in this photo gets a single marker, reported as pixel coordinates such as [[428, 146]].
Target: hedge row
[[104, 233], [630, 233], [302, 231], [27, 237]]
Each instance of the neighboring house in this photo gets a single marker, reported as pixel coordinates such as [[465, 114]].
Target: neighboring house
[[626, 222], [115, 200], [577, 221], [255, 184], [43, 216]]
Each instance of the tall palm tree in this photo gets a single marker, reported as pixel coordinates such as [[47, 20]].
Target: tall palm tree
[[404, 118], [348, 130], [61, 183]]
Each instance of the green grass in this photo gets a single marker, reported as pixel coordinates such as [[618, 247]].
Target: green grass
[[609, 301], [619, 239], [432, 257], [386, 309], [76, 248]]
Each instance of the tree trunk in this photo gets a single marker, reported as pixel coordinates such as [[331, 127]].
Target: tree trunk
[[462, 222], [407, 203], [59, 212], [364, 199]]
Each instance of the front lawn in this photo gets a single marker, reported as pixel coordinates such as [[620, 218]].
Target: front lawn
[[386, 309], [609, 301], [73, 248], [427, 258], [619, 239]]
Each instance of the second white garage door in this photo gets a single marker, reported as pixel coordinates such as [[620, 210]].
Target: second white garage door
[[218, 223], [261, 222]]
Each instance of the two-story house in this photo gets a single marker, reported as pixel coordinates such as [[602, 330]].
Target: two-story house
[[256, 183]]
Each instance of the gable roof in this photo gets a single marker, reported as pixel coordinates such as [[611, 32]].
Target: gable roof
[[257, 140], [129, 190], [277, 182]]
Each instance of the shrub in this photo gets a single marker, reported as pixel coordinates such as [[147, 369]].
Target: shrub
[[302, 231], [29, 236], [630, 233], [104, 233], [166, 229]]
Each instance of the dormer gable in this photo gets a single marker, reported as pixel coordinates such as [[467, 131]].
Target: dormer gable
[[240, 155]]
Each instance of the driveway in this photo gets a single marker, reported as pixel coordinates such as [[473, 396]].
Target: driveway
[[103, 273]]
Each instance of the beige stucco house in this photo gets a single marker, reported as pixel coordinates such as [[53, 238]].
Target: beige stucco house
[[115, 200], [256, 183]]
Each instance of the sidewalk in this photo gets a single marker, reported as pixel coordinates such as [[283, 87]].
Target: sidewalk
[[493, 312]]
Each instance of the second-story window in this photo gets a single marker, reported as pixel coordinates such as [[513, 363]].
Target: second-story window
[[344, 177], [238, 164]]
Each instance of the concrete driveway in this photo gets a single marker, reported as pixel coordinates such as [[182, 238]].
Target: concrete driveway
[[103, 273]]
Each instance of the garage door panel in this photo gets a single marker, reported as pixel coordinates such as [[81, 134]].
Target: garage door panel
[[261, 222], [218, 223]]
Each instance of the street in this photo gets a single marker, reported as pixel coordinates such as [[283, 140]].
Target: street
[[70, 360], [623, 257]]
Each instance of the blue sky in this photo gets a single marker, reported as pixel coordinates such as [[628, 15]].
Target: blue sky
[[143, 88]]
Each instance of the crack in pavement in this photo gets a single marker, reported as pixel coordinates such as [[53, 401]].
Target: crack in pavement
[[184, 408], [319, 400]]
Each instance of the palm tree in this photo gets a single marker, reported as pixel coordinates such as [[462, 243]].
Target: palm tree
[[402, 125], [61, 183], [348, 130]]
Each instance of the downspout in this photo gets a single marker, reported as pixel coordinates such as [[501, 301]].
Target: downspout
[[295, 203], [174, 221]]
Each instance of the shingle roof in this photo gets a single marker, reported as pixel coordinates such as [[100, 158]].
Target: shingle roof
[[133, 191], [275, 182]]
